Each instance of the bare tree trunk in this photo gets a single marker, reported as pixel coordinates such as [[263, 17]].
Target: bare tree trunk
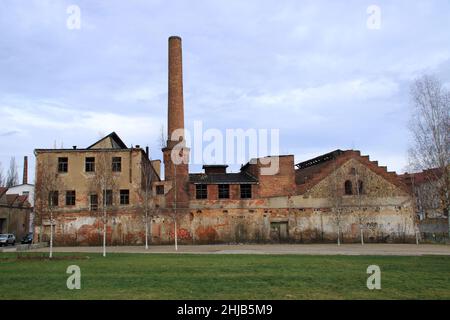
[[339, 236], [51, 235], [104, 232], [146, 229], [362, 234], [176, 236], [175, 207]]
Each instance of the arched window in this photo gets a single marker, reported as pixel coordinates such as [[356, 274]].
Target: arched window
[[348, 187], [360, 187]]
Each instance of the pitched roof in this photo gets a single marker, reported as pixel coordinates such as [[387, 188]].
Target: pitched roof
[[116, 142], [311, 172], [419, 178], [222, 178], [11, 198]]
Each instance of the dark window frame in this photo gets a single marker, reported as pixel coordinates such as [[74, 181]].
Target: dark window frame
[[53, 198], [160, 190], [245, 191], [71, 197], [107, 197], [116, 164], [348, 188], [93, 206], [201, 191], [223, 191], [89, 164], [360, 187], [124, 197], [63, 164]]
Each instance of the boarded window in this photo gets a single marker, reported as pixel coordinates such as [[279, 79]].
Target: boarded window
[[89, 165], [160, 190], [116, 164], [201, 191], [93, 202], [63, 164], [124, 197], [70, 198], [224, 191], [53, 198], [348, 187], [246, 191]]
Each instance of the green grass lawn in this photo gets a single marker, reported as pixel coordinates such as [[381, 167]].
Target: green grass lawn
[[186, 276]]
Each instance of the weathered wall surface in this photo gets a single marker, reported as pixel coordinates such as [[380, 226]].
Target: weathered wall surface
[[306, 220], [15, 221], [383, 211]]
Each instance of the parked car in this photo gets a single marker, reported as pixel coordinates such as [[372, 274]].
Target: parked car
[[28, 239], [7, 238]]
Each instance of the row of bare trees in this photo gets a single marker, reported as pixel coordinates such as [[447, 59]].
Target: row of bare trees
[[12, 176], [430, 148], [102, 184]]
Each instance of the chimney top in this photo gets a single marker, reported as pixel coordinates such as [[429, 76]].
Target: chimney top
[[215, 168], [74, 147], [25, 170]]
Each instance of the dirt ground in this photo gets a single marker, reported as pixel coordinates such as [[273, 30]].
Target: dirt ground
[[305, 249]]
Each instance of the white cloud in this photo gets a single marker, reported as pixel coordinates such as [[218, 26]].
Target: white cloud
[[352, 90], [63, 121]]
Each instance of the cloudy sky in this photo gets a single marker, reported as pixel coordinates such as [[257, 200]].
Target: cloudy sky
[[312, 69]]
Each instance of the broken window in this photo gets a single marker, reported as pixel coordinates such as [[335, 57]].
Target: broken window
[[93, 202], [70, 198], [124, 197], [116, 164], [201, 191], [89, 165], [246, 191], [160, 190], [63, 164], [360, 187], [348, 187], [107, 197], [53, 198], [224, 191]]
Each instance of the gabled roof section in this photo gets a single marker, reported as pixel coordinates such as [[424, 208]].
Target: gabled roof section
[[13, 200], [320, 159], [111, 141], [311, 172]]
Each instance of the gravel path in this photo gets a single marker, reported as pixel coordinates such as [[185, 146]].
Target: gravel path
[[310, 249]]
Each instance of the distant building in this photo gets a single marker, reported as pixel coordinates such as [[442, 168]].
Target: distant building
[[15, 213], [428, 189], [24, 189]]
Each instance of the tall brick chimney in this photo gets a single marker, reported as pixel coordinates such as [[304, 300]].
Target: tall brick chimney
[[175, 114], [177, 173], [25, 170]]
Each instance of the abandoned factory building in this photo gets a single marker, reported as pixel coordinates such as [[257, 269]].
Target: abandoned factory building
[[339, 193]]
